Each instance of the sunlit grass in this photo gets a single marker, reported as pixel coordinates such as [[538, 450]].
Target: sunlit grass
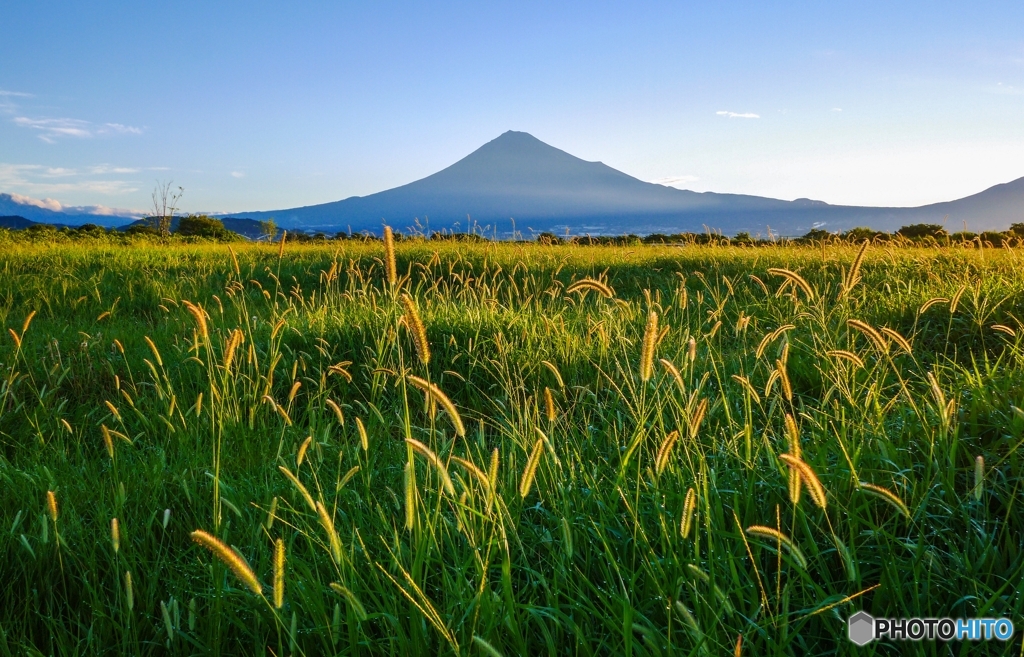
[[692, 445]]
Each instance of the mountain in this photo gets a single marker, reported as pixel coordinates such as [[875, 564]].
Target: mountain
[[14, 222], [71, 216], [519, 178]]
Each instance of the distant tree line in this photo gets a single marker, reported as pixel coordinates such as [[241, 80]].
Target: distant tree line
[[203, 228]]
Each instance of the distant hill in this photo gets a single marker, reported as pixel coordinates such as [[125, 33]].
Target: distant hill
[[15, 222], [542, 188]]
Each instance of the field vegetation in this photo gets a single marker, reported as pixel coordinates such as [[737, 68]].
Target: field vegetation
[[443, 447]]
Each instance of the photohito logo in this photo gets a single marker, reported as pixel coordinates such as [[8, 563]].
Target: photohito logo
[[862, 629]]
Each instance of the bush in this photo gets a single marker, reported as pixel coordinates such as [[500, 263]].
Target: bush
[[204, 226]]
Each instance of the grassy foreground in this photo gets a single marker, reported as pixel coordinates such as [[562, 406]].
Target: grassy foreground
[[722, 458]]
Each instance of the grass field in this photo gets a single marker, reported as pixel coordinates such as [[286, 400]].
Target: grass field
[[723, 457]]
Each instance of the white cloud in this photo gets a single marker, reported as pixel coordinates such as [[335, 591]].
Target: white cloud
[[19, 94], [837, 109], [57, 206], [46, 203], [52, 129], [238, 174], [739, 115], [675, 181], [34, 180]]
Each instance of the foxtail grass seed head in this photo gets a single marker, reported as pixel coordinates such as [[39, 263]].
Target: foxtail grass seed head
[[956, 299], [796, 279], [15, 338], [665, 451], [271, 514], [358, 610], [199, 315], [648, 346], [979, 477], [435, 394], [898, 338], [691, 349], [585, 284], [808, 477], [129, 593], [760, 531], [530, 471], [673, 371], [555, 372], [115, 535], [230, 558], [689, 508], [280, 248], [51, 505], [887, 495], [279, 573], [873, 336], [301, 456], [167, 518], [410, 495], [787, 388], [234, 262], [849, 356], [330, 403], [299, 487], [107, 440], [364, 440], [435, 462], [389, 255], [795, 484], [549, 403], [698, 417], [417, 329], [332, 536]]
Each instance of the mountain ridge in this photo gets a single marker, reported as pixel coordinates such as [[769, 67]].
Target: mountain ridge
[[518, 182]]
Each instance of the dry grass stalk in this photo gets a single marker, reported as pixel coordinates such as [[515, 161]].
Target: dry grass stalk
[[230, 558]]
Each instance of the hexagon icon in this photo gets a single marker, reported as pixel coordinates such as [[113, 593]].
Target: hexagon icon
[[861, 628]]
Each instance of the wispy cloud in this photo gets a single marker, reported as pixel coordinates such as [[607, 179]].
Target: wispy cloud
[[238, 174], [7, 104], [34, 180], [837, 109], [738, 115], [50, 130], [675, 181]]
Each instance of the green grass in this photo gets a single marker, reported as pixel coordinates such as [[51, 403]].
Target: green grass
[[592, 560]]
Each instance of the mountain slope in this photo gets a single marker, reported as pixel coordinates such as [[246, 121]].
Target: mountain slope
[[11, 206], [517, 176]]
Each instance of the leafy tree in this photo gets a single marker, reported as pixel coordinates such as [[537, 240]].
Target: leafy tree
[[200, 225], [269, 228], [918, 231]]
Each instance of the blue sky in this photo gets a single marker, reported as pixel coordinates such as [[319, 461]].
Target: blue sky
[[259, 106]]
